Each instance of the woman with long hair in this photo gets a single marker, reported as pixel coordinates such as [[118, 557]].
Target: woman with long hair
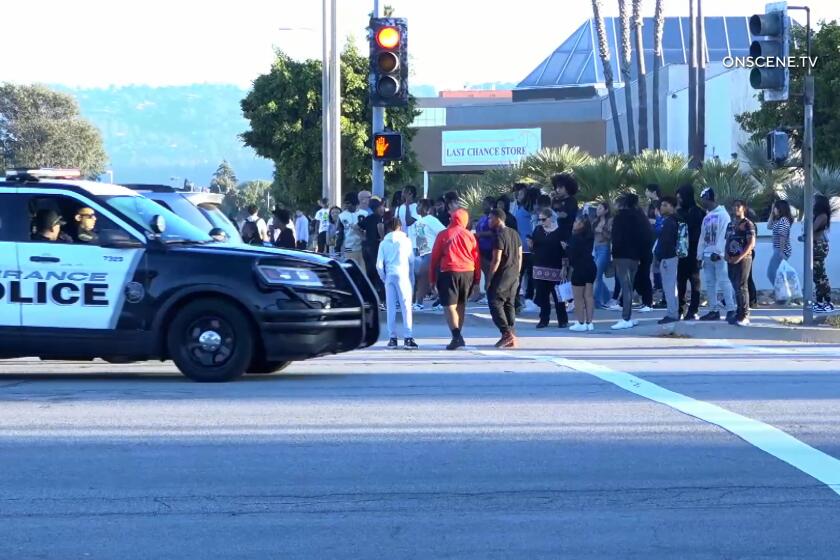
[[579, 249], [603, 238], [780, 223], [822, 224], [548, 254], [332, 230]]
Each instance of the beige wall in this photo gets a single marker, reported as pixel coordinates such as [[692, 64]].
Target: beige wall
[[590, 136]]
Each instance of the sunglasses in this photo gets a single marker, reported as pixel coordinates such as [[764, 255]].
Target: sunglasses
[[93, 216]]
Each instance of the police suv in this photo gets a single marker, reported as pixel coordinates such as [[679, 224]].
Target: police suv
[[145, 284]]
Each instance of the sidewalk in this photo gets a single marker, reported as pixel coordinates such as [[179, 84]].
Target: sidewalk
[[768, 323]]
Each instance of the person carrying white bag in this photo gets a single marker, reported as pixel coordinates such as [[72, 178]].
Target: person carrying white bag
[[787, 286]]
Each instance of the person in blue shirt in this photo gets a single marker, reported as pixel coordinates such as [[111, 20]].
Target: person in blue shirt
[[525, 226]]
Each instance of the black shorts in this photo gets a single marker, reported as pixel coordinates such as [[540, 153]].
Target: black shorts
[[454, 287]]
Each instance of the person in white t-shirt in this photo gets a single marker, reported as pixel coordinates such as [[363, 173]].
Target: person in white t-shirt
[[301, 230], [407, 212], [350, 233], [322, 219], [426, 229]]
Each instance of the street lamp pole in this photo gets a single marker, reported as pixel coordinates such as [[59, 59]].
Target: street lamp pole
[[326, 180], [335, 106]]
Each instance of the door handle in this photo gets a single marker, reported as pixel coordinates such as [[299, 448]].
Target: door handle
[[45, 259]]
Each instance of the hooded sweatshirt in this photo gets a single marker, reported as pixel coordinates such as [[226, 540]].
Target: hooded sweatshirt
[[692, 216], [713, 234], [395, 257], [456, 249]]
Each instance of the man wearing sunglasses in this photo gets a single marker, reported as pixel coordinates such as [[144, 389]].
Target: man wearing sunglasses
[[85, 224]]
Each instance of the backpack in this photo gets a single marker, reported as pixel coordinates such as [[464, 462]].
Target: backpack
[[682, 240], [251, 233]]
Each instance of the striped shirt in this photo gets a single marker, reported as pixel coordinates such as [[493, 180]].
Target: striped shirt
[[781, 237]]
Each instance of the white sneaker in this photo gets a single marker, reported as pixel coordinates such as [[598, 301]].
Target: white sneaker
[[437, 307], [418, 307], [573, 324], [743, 323], [578, 327], [645, 309], [622, 325], [614, 307], [590, 327]]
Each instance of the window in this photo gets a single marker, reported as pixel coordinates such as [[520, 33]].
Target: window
[[80, 223], [430, 116], [10, 208], [141, 211]]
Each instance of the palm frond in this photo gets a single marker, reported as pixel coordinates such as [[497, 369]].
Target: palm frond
[[667, 169], [540, 166], [602, 178]]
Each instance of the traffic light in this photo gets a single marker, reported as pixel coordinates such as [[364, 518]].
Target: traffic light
[[770, 73], [387, 146], [388, 62], [778, 147]]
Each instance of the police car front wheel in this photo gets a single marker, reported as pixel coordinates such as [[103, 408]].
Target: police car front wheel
[[211, 341]]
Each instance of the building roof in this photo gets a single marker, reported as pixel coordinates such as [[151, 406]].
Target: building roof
[[576, 61]]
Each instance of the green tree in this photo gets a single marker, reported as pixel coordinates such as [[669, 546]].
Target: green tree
[[790, 114], [224, 179], [43, 128], [284, 110], [247, 193]]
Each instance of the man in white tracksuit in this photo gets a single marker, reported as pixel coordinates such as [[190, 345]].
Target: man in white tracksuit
[[711, 252], [395, 265]]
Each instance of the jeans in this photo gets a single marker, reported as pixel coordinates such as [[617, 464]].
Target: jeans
[[545, 293], [668, 271], [716, 279], [501, 300], [602, 261], [739, 276], [773, 267], [688, 273], [398, 289], [625, 273]]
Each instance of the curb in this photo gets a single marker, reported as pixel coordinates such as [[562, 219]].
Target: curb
[[722, 330]]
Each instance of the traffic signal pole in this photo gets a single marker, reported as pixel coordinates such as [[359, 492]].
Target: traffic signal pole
[[378, 167], [335, 108], [326, 182]]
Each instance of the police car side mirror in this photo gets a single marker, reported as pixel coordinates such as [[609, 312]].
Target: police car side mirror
[[158, 224], [219, 234]]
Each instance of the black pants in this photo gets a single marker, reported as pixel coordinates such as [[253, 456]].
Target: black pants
[[526, 276], [739, 275], [369, 253], [687, 272], [302, 245], [642, 283], [751, 285], [501, 300], [322, 242], [544, 294]]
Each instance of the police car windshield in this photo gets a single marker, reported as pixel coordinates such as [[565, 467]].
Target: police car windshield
[[142, 210]]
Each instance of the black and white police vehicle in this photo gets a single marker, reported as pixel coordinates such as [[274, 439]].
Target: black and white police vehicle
[[147, 285]]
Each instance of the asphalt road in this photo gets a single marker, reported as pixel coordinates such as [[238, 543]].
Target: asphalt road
[[470, 454]]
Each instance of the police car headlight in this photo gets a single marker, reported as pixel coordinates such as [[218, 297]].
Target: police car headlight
[[289, 276]]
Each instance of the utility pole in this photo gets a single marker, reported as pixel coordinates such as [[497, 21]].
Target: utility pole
[[700, 143], [326, 182], [692, 84], [378, 167]]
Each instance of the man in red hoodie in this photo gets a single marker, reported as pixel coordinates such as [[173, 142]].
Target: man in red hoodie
[[455, 268]]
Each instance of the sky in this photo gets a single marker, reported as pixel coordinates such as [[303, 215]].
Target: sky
[[100, 43]]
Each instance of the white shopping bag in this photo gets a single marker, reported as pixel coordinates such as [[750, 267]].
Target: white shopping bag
[[787, 285], [564, 291]]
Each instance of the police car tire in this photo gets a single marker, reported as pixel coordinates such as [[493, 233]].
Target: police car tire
[[261, 367], [198, 310]]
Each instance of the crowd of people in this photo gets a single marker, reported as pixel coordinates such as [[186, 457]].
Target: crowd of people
[[537, 247]]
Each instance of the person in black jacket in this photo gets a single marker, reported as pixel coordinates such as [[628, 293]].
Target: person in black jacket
[[564, 202], [548, 255], [687, 269], [642, 282], [630, 241], [666, 255]]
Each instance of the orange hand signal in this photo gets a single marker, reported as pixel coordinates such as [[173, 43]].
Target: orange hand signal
[[381, 147]]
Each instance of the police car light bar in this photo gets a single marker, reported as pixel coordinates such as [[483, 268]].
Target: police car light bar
[[43, 173]]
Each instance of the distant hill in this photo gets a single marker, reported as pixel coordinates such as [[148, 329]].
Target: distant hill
[[154, 133]]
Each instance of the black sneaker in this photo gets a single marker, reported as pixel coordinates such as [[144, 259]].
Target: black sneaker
[[542, 324], [457, 342], [409, 344], [711, 316], [667, 320], [393, 344], [660, 305], [732, 318]]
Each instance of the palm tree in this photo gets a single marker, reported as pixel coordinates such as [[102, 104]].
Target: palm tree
[[669, 170], [640, 61], [658, 60], [540, 167], [604, 52], [626, 60], [602, 178]]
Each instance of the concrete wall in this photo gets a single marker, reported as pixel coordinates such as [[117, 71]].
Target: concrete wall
[[764, 251]]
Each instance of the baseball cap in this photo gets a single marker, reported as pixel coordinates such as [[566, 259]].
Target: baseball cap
[[364, 194], [47, 219], [708, 194]]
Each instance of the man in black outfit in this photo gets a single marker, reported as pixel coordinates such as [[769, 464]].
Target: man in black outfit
[[740, 243], [373, 226], [687, 269], [504, 270], [565, 203]]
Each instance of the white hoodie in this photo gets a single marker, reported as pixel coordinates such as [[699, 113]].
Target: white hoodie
[[395, 257], [713, 233]]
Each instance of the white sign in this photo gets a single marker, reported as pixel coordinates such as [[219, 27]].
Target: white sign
[[489, 147]]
